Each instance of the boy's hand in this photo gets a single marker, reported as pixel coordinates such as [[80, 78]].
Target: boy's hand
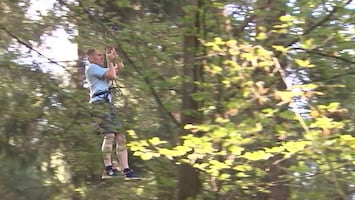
[[112, 55], [114, 59]]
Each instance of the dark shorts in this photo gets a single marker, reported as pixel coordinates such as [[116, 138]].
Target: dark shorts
[[105, 116]]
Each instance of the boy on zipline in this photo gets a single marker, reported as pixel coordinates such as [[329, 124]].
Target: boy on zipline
[[99, 77]]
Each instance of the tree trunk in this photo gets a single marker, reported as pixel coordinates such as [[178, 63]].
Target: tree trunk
[[188, 177]]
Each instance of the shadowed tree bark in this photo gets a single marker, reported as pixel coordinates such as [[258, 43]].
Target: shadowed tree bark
[[189, 184]]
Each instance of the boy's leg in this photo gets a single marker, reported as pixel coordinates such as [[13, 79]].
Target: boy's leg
[[121, 150], [122, 155], [106, 148], [102, 113]]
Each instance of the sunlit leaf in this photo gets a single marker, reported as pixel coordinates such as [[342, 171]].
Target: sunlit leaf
[[156, 141], [282, 49], [286, 18], [257, 155], [261, 36], [307, 44], [303, 63]]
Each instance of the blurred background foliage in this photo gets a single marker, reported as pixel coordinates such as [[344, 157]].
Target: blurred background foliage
[[220, 99]]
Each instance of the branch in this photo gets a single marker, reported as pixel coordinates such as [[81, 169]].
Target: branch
[[337, 76], [19, 40], [243, 25], [53, 85], [326, 55], [334, 178], [319, 23]]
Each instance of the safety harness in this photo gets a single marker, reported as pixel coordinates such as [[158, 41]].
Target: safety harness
[[113, 86], [108, 92], [105, 93]]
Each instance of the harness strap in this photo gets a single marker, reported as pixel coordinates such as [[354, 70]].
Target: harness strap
[[106, 93]]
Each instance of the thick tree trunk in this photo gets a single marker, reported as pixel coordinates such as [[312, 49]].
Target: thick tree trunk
[[188, 179]]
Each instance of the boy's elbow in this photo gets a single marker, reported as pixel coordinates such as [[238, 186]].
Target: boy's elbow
[[110, 76]]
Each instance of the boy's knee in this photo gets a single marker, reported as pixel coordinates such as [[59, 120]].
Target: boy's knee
[[120, 138], [121, 142], [107, 143]]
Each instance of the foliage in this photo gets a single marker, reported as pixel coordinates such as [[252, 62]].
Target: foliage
[[236, 141], [279, 96]]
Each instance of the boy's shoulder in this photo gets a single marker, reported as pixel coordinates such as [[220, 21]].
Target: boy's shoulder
[[94, 68]]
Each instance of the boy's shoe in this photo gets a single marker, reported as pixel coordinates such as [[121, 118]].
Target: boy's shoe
[[129, 174], [111, 173]]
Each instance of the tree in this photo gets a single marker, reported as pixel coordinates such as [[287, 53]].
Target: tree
[[189, 184], [205, 99]]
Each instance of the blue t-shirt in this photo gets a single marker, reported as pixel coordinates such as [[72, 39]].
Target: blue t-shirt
[[97, 83]]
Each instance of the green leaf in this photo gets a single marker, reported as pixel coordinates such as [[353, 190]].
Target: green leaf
[[235, 150], [303, 63], [281, 49], [257, 155], [308, 44], [326, 122], [261, 36], [156, 141], [347, 138], [286, 18], [295, 146], [288, 115], [146, 156], [218, 165]]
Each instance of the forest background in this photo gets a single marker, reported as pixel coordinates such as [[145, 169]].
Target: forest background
[[247, 100]]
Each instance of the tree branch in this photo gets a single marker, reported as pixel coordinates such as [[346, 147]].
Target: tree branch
[[319, 23], [325, 55], [19, 40]]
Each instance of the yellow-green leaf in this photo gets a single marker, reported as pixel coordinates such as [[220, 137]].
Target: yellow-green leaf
[[347, 138], [243, 168], [281, 49], [308, 44], [189, 126], [146, 156], [304, 63], [257, 155], [218, 165], [261, 36], [286, 18], [156, 141]]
